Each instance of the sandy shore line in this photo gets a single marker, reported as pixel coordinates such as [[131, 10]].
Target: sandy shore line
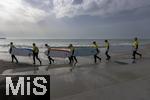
[[105, 80]]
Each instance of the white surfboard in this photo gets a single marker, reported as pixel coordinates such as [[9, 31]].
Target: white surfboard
[[21, 52], [85, 51], [58, 52]]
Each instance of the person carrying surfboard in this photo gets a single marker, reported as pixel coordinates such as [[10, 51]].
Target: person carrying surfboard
[[135, 48], [49, 57], [107, 46], [72, 57], [12, 55], [36, 53], [95, 45]]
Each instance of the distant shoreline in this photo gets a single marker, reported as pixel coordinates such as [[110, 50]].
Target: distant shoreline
[[2, 38]]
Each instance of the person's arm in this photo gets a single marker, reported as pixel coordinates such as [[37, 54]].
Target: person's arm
[[133, 44], [48, 51], [33, 49], [73, 51], [108, 45], [10, 50], [37, 49], [137, 45]]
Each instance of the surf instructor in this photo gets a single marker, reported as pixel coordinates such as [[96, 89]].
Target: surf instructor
[[107, 46], [36, 53], [135, 46], [72, 57], [95, 45], [12, 55], [49, 58]]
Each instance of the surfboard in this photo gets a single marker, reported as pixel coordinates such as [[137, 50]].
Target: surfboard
[[85, 51], [21, 52], [58, 52], [79, 51]]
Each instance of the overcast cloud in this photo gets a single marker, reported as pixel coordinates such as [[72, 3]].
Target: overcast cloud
[[49, 17], [70, 8]]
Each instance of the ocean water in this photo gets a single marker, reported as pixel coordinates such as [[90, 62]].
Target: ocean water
[[27, 43]]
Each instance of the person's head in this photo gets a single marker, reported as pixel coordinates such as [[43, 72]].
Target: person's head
[[94, 42], [106, 40], [135, 38], [33, 44], [11, 43], [70, 45], [46, 45]]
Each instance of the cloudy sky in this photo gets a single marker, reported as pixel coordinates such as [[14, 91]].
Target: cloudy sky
[[75, 18]]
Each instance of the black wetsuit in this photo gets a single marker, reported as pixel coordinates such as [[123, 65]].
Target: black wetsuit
[[107, 51], [49, 57], [96, 55], [72, 57], [12, 55], [35, 55], [135, 51]]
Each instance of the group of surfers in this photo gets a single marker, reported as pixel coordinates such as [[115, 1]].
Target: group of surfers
[[72, 58]]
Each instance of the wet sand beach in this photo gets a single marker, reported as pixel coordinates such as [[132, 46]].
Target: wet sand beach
[[89, 81]]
